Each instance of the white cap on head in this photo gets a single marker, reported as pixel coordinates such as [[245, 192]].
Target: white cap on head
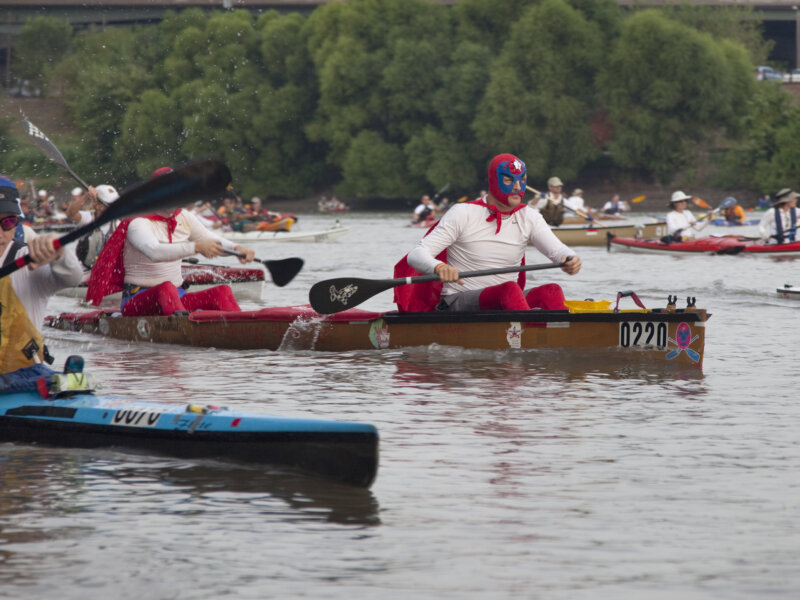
[[106, 193], [679, 197], [77, 191], [42, 194]]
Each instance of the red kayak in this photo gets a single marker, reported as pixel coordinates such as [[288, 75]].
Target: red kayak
[[723, 244]]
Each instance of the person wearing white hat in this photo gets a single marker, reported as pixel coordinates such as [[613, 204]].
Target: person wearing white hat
[[97, 199], [551, 204], [779, 223], [681, 224]]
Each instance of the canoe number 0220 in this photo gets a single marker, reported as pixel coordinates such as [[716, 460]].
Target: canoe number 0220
[[637, 333]]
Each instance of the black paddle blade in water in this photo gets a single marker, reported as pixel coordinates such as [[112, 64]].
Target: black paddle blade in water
[[283, 271], [335, 295]]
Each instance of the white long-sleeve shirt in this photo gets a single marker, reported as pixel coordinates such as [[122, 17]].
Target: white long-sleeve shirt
[[34, 287], [767, 226], [472, 244], [684, 221], [150, 258]]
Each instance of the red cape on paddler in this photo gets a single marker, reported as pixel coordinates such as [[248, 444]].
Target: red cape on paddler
[[423, 297], [143, 260]]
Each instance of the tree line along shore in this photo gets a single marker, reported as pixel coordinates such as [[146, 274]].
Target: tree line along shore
[[381, 101]]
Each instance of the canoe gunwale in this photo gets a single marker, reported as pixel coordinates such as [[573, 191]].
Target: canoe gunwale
[[547, 316]]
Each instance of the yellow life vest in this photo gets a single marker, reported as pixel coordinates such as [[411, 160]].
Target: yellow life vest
[[21, 343]]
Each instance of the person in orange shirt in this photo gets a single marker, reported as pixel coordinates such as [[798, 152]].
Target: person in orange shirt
[[734, 214]]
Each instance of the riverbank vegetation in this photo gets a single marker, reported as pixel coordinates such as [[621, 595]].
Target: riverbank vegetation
[[393, 98]]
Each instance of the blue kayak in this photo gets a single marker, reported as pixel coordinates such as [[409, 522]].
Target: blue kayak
[[347, 452]]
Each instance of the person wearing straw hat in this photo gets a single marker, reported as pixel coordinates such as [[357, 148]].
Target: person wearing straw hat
[[681, 224], [551, 205], [779, 223], [24, 293]]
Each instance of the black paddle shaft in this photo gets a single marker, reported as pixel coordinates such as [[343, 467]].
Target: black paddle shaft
[[335, 295], [201, 180]]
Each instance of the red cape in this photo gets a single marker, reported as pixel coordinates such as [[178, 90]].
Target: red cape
[[423, 297]]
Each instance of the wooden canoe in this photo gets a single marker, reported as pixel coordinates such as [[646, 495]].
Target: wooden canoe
[[667, 335], [595, 235]]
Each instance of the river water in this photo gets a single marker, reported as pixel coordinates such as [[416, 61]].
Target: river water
[[503, 475]]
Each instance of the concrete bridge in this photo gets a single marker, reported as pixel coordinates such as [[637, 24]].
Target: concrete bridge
[[781, 17]]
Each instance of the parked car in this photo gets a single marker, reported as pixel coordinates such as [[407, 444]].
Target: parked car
[[23, 88], [765, 73], [793, 76]]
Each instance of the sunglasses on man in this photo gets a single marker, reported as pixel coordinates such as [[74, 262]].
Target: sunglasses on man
[[8, 223]]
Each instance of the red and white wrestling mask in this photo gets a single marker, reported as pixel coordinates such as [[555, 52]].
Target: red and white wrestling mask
[[506, 166]]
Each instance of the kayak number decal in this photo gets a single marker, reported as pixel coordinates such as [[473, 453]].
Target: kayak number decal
[[646, 335], [136, 418]]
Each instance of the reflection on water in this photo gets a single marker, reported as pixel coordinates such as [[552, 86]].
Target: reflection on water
[[549, 474]]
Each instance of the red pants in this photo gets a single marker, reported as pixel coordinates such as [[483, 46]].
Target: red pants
[[164, 299], [509, 296]]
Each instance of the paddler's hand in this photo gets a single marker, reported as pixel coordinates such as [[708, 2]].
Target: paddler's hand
[[209, 248], [42, 251], [90, 196], [572, 264], [447, 273], [249, 254]]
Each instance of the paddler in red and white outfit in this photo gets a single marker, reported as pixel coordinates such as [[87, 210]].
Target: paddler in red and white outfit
[[486, 234], [143, 260], [24, 293]]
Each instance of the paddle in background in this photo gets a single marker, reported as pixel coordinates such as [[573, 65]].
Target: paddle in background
[[48, 148], [282, 271], [724, 205], [578, 212], [445, 187], [201, 180], [335, 295]]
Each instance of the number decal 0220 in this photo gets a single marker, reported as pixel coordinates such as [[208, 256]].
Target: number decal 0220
[[642, 335]]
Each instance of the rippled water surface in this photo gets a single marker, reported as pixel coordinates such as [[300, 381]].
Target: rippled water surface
[[503, 475]]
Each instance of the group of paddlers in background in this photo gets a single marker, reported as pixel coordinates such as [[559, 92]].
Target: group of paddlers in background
[[554, 206], [43, 211]]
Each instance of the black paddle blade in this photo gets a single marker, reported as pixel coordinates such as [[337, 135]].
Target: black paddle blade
[[200, 180], [335, 295], [283, 271]]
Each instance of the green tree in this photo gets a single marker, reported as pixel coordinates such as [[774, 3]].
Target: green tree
[[541, 92], [378, 64], [762, 158], [668, 88], [739, 24], [43, 41]]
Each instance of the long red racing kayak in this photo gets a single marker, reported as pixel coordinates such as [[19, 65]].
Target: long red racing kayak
[[723, 244]]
